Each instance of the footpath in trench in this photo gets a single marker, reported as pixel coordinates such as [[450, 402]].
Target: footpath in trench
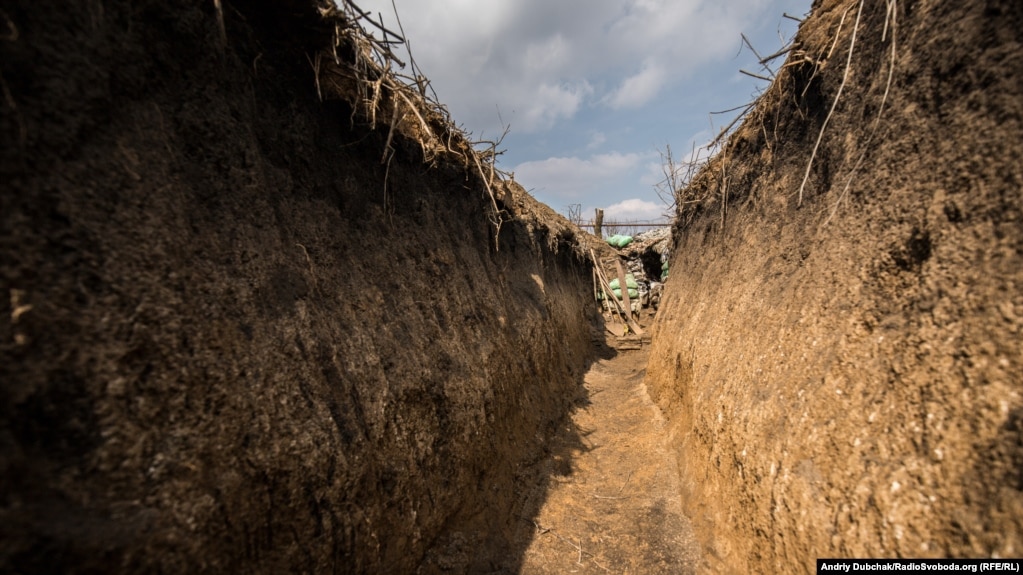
[[615, 507]]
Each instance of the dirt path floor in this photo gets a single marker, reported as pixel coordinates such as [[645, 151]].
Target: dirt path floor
[[615, 507]]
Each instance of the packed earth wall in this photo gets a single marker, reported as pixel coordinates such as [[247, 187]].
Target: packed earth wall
[[842, 362], [232, 338]]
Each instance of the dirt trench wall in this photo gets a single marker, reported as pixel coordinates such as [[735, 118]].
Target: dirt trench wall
[[843, 373], [225, 345]]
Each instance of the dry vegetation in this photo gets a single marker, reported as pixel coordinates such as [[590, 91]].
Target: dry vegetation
[[865, 215], [756, 124], [363, 69], [229, 351]]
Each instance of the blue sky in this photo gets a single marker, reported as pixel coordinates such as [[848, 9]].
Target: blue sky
[[592, 90]]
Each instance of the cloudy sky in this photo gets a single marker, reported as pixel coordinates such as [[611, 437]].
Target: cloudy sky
[[593, 90]]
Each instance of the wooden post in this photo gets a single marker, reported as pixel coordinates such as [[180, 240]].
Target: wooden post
[[633, 324], [624, 288], [598, 222]]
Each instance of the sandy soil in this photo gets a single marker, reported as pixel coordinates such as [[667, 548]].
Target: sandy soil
[[844, 359], [231, 339], [615, 507]]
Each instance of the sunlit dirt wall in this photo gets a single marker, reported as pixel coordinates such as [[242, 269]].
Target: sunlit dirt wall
[[842, 365]]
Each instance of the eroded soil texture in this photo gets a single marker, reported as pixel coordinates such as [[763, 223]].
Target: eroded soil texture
[[254, 318], [613, 505], [844, 359], [232, 339]]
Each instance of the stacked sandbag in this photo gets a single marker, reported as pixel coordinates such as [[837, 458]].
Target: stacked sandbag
[[618, 241], [630, 285]]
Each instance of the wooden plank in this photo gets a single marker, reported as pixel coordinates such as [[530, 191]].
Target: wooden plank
[[633, 325], [609, 298], [615, 329], [624, 345], [613, 225], [625, 289]]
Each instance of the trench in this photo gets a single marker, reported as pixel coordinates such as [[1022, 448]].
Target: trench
[[254, 321], [235, 340], [615, 503]]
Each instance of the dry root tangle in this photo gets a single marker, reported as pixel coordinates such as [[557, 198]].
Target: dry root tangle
[[362, 68], [697, 188]]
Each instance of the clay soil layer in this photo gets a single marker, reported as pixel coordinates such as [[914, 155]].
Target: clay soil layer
[[845, 363], [232, 340]]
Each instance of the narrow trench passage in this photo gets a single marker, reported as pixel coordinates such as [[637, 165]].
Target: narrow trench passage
[[614, 503]]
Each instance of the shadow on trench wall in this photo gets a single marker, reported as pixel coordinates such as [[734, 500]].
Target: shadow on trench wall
[[226, 346]]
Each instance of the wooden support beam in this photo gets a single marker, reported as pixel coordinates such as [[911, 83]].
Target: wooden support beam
[[633, 324], [625, 289]]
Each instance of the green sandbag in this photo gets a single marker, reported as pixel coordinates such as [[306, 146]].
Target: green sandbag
[[664, 267], [633, 293], [630, 282], [664, 275], [619, 241]]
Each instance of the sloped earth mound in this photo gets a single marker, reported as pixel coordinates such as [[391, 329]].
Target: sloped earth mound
[[842, 365], [232, 338]]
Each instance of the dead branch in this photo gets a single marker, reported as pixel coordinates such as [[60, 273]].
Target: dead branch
[[757, 76], [388, 152], [838, 33], [11, 36], [724, 131], [367, 17], [220, 23], [891, 13], [750, 46], [824, 125], [370, 82], [779, 53], [316, 71]]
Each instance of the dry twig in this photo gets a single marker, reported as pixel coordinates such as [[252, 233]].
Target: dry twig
[[845, 77], [220, 23], [577, 547], [757, 76], [776, 55], [890, 14], [12, 35], [370, 82]]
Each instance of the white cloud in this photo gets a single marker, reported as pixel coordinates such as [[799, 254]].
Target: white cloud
[[541, 62], [634, 209], [572, 77], [551, 103], [547, 54], [616, 161], [576, 178], [596, 140], [639, 88]]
